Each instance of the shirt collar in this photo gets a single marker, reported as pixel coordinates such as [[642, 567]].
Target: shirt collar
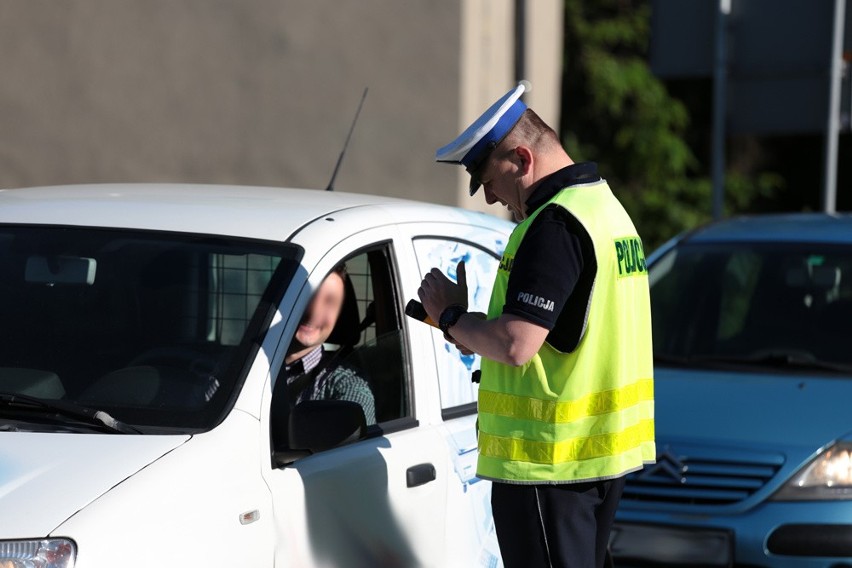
[[306, 364], [584, 172]]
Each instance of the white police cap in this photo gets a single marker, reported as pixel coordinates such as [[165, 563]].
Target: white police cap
[[473, 146]]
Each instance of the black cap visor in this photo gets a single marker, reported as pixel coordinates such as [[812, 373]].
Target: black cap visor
[[476, 167]]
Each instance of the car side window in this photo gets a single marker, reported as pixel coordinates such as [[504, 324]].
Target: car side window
[[362, 360], [455, 370], [380, 353]]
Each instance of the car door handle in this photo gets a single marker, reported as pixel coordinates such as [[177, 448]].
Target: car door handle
[[420, 474]]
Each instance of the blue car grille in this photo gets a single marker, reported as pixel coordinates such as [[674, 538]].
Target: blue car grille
[[708, 479]]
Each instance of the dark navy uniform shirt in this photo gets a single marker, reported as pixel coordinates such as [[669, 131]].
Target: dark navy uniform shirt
[[554, 267]]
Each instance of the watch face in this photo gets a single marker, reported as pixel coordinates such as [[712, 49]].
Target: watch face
[[450, 316]]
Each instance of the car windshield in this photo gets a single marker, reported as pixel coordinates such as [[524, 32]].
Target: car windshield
[[151, 329], [768, 305]]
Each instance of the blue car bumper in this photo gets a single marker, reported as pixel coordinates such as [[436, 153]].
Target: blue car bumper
[[773, 534]]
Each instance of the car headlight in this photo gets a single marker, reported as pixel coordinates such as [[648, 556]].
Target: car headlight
[[44, 553], [828, 476]]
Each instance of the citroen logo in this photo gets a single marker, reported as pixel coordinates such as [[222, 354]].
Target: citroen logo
[[667, 465]]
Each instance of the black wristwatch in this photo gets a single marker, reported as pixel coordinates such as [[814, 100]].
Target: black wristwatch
[[450, 316]]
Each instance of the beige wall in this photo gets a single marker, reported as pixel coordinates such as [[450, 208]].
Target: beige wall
[[253, 92], [487, 65]]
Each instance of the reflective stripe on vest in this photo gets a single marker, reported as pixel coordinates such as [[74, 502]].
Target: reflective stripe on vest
[[597, 446], [550, 411]]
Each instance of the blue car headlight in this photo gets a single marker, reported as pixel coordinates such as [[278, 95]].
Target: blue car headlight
[[827, 476], [41, 553]]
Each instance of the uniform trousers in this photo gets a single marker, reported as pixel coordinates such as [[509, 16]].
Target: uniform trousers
[[555, 525]]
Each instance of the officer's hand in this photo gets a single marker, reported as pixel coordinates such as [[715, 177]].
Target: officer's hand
[[461, 278], [437, 292]]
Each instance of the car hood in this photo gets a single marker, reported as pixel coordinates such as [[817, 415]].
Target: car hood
[[47, 477], [754, 409]]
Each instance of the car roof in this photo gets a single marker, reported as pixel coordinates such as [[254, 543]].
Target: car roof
[[789, 227], [253, 212]]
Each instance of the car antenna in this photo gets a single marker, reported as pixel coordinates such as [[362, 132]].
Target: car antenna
[[346, 144]]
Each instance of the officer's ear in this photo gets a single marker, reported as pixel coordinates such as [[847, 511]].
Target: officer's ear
[[524, 158]]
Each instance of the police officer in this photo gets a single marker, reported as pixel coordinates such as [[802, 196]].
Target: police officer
[[566, 392]]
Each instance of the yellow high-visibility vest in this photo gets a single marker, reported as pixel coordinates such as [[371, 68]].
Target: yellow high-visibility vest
[[588, 414]]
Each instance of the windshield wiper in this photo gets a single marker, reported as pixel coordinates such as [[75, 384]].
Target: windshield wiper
[[71, 410], [772, 359]]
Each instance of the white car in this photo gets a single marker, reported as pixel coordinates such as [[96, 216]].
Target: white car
[[143, 328]]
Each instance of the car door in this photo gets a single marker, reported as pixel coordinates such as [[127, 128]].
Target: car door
[[470, 529], [381, 500]]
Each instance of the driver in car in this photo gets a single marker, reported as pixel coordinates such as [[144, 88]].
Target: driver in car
[[310, 371]]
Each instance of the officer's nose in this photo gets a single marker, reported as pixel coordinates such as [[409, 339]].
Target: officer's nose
[[489, 197]]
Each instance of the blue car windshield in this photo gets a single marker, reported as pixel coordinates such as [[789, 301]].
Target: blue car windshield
[[773, 305], [155, 329]]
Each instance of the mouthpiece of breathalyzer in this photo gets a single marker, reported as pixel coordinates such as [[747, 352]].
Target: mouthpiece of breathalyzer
[[415, 309]]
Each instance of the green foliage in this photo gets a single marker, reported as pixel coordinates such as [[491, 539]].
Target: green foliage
[[617, 113]]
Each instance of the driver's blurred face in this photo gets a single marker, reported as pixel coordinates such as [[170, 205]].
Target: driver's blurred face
[[322, 312]]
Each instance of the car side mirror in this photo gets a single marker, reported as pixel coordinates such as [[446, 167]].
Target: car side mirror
[[318, 425]]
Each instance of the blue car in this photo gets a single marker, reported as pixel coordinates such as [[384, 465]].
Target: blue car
[[752, 325]]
